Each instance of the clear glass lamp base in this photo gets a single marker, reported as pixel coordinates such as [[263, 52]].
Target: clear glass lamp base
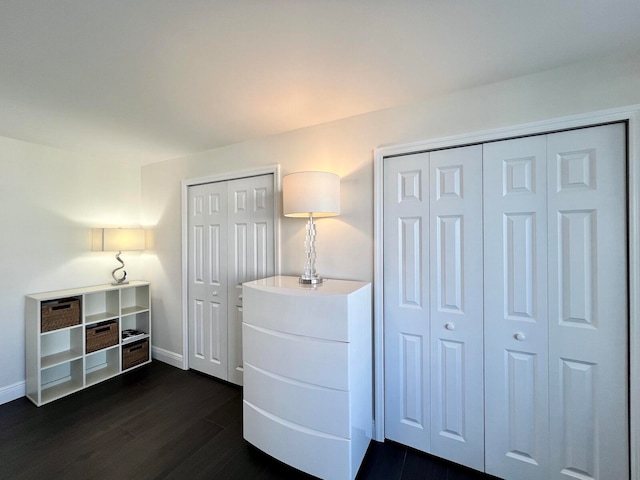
[[313, 280], [310, 277]]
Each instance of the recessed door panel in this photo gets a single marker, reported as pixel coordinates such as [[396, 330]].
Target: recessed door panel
[[518, 255], [451, 391], [215, 333], [261, 257], [412, 372], [577, 267], [409, 255], [215, 255], [198, 254], [521, 371], [577, 388], [449, 273], [199, 334]]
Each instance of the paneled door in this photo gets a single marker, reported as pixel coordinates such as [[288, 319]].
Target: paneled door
[[207, 273], [251, 241], [516, 319], [455, 237], [406, 301], [433, 303], [231, 241], [588, 316], [556, 367]]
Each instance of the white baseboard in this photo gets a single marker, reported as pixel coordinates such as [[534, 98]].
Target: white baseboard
[[12, 392], [166, 356]]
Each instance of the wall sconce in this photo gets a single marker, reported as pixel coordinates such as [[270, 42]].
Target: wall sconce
[[117, 240], [312, 195]]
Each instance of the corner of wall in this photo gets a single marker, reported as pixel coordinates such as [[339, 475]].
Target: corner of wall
[[165, 356]]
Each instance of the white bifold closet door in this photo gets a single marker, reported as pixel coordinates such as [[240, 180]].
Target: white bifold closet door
[[505, 292], [556, 355], [433, 293], [231, 241]]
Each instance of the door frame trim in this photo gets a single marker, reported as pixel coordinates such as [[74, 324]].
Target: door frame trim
[[630, 114], [236, 175]]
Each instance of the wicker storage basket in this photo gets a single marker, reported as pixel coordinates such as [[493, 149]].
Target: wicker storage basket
[[102, 335], [135, 353], [60, 313]]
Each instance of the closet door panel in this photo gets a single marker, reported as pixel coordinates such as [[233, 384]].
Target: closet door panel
[[406, 300], [588, 303], [207, 277], [456, 331], [251, 232], [516, 326]]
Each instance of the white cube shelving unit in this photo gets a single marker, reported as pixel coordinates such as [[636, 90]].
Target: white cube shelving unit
[[58, 363]]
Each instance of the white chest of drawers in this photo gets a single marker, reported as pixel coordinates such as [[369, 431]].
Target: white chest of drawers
[[308, 373]]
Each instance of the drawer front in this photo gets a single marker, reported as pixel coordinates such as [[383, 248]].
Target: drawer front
[[317, 362], [318, 316], [318, 454], [318, 408]]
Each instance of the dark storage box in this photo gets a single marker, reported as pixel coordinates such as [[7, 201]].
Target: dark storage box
[[102, 335], [60, 313], [135, 353]]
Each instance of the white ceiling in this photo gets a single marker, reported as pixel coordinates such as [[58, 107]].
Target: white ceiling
[[147, 80]]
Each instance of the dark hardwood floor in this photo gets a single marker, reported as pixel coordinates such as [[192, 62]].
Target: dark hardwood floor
[[159, 422]]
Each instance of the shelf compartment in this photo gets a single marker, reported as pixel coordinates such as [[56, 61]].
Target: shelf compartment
[[134, 299], [102, 365], [60, 346], [60, 357], [61, 379], [134, 338], [100, 317], [100, 306], [138, 321]]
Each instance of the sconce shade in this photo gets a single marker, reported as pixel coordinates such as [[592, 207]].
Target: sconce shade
[[117, 239], [314, 194]]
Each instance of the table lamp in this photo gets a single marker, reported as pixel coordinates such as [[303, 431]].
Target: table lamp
[[117, 240], [312, 195]]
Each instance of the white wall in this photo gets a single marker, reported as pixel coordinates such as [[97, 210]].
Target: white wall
[[49, 200], [345, 243]]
